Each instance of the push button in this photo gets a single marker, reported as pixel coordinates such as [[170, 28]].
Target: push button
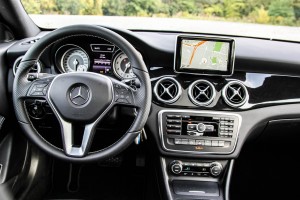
[[214, 143], [177, 141], [192, 142], [199, 142], [192, 127], [207, 143], [221, 143]]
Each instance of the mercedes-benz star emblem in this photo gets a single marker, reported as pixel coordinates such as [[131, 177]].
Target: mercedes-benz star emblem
[[79, 95]]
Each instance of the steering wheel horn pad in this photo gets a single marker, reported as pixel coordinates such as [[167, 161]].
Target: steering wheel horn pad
[[94, 92]]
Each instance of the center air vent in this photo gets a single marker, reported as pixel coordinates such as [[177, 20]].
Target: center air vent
[[167, 90], [235, 94], [202, 92], [35, 69]]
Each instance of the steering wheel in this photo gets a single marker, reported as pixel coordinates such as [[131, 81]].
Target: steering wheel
[[81, 97]]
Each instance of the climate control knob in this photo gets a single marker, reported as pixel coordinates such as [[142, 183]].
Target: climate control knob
[[176, 167], [216, 169]]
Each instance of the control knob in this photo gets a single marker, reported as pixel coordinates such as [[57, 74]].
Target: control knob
[[201, 127], [176, 167], [216, 169]]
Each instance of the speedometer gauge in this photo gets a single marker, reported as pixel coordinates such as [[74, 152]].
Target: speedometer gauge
[[122, 67], [74, 60]]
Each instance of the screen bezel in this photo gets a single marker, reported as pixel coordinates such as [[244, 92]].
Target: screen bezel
[[177, 56]]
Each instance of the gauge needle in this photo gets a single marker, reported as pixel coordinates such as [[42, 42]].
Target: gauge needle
[[127, 66], [75, 63]]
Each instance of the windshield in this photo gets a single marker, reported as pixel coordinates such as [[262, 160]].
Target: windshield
[[272, 19]]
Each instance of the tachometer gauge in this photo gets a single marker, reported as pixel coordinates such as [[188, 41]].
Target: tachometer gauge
[[122, 67], [74, 60]]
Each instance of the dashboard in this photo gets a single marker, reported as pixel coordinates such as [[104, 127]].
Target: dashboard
[[210, 93], [215, 77]]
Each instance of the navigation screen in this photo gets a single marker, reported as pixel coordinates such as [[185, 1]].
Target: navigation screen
[[204, 55]]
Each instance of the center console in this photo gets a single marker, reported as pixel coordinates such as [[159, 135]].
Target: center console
[[197, 143], [197, 133]]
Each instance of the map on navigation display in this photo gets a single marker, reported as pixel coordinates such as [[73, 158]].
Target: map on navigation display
[[204, 55]]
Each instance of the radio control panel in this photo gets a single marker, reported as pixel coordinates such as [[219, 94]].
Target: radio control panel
[[199, 131]]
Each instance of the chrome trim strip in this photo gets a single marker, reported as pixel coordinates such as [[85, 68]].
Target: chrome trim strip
[[209, 101], [165, 176], [171, 100], [66, 127], [228, 179], [197, 112]]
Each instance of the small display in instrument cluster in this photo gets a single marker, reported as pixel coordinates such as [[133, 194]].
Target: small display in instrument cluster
[[102, 62]]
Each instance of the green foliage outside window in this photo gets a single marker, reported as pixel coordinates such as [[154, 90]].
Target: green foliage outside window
[[277, 12]]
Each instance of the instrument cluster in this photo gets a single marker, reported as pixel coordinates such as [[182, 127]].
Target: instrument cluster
[[105, 59]]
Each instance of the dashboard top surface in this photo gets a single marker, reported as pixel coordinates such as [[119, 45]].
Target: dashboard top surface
[[252, 55]]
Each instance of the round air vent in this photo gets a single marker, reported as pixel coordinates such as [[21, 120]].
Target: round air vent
[[35, 69], [235, 94], [202, 92], [167, 90]]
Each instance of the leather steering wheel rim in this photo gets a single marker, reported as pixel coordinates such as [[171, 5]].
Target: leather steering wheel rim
[[143, 95]]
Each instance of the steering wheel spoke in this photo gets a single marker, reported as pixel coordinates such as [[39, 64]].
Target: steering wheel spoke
[[68, 131]]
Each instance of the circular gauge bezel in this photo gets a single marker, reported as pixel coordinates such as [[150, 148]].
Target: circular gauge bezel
[[17, 63], [114, 66], [61, 55]]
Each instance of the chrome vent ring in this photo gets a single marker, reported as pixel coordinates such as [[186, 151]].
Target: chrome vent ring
[[35, 69], [235, 94], [202, 92], [167, 90]]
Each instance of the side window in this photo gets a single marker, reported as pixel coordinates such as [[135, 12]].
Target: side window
[[5, 34]]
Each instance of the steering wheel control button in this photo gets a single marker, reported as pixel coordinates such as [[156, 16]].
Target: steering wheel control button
[[38, 89], [79, 94], [36, 110], [32, 76], [123, 95]]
